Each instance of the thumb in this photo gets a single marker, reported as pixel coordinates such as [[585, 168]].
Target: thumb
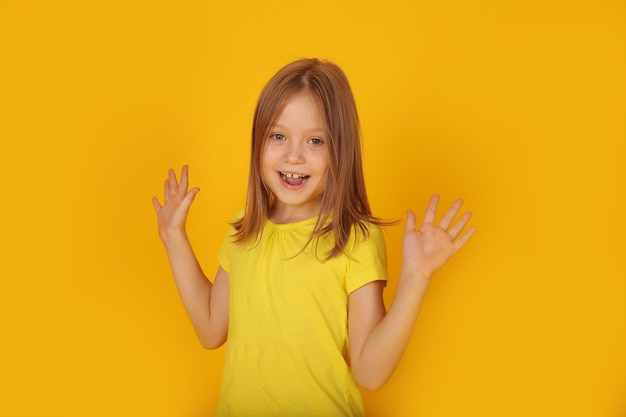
[[411, 223], [188, 199]]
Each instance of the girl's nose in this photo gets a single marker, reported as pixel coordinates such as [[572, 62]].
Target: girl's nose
[[294, 154]]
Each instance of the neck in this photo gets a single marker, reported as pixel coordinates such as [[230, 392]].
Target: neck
[[284, 215]]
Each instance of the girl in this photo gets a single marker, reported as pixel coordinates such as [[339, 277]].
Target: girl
[[299, 289]]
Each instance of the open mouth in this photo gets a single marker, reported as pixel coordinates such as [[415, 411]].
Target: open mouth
[[293, 179]]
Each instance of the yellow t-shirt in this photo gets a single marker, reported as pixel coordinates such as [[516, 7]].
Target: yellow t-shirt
[[287, 349]]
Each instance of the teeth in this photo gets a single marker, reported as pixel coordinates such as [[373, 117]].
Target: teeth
[[290, 175]]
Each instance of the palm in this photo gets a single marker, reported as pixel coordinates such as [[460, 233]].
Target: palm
[[427, 249], [172, 215]]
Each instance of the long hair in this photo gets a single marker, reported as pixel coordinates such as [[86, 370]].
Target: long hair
[[344, 203]]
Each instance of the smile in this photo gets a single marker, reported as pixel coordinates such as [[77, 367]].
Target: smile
[[293, 179]]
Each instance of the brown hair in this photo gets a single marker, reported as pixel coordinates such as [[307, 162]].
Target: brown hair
[[344, 203]]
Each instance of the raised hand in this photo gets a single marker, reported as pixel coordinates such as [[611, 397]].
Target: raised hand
[[172, 215], [427, 249]]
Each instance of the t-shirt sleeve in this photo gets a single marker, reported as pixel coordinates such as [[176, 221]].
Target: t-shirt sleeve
[[368, 259], [224, 254]]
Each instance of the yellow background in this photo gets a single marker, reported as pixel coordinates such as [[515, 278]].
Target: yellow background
[[519, 107]]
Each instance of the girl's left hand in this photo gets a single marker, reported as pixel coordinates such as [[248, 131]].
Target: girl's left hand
[[427, 249]]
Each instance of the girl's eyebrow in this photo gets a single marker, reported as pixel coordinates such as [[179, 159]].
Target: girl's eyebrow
[[311, 129]]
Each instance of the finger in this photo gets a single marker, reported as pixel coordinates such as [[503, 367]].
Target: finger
[[172, 182], [184, 181], [169, 191], [462, 240], [411, 222], [446, 220], [431, 210], [166, 190], [189, 197], [156, 204], [458, 226]]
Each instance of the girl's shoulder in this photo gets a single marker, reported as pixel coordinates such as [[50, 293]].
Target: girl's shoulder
[[238, 215], [366, 239]]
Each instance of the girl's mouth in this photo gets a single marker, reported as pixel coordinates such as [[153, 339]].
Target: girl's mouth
[[293, 179]]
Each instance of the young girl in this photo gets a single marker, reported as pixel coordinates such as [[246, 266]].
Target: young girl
[[299, 290]]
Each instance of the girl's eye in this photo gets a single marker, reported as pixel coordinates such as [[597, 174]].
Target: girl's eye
[[277, 136], [316, 141]]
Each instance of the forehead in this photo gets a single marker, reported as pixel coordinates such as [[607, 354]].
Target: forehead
[[302, 108]]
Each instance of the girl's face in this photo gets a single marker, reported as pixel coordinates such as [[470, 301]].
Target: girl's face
[[295, 160]]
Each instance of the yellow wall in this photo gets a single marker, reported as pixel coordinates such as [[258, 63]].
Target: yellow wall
[[519, 107]]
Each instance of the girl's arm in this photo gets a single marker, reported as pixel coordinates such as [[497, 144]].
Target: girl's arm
[[206, 303], [378, 339]]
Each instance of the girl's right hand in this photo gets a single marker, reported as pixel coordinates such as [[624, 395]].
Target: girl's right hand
[[172, 215]]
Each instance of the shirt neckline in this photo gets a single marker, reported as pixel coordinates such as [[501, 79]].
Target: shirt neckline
[[306, 222]]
